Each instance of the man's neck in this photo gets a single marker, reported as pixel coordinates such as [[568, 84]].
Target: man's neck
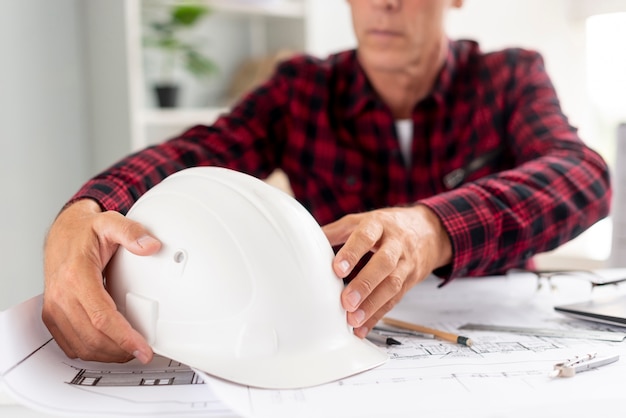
[[402, 89]]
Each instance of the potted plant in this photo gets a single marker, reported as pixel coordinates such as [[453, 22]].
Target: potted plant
[[170, 37]]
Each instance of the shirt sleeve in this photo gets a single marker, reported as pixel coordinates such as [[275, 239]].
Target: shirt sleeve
[[247, 139], [559, 186]]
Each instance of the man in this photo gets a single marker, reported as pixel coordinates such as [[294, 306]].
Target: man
[[416, 153]]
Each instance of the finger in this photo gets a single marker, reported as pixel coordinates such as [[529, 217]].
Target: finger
[[115, 328], [103, 317], [363, 239], [381, 264], [89, 343], [338, 232], [78, 339], [96, 321], [381, 301], [58, 334], [116, 228], [54, 317], [392, 287]]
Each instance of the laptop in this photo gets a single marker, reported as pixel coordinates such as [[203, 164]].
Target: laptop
[[610, 310]]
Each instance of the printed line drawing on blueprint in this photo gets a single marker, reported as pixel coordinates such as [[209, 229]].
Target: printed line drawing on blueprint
[[412, 348], [163, 371], [492, 357]]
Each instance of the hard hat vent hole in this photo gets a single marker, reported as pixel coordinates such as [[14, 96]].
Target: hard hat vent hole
[[179, 257]]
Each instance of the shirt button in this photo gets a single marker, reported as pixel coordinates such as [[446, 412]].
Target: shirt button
[[527, 255], [351, 181]]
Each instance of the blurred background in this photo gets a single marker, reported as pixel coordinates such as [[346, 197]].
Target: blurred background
[[79, 80]]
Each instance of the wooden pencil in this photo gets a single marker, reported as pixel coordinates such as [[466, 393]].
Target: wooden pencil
[[447, 336]]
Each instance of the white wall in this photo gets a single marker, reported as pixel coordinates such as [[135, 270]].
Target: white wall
[[42, 127], [547, 26], [556, 28], [330, 27], [108, 87]]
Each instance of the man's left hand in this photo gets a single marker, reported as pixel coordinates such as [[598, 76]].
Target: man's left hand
[[406, 243]]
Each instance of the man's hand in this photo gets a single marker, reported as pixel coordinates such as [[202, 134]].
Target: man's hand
[[407, 245], [77, 309]]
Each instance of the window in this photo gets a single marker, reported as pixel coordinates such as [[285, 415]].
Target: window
[[605, 60], [606, 79]]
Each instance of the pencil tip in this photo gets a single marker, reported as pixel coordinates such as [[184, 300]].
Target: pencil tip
[[464, 341], [393, 341]]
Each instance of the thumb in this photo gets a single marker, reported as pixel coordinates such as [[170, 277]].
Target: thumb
[[133, 236], [339, 231], [146, 244]]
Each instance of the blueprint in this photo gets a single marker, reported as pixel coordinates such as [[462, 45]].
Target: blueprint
[[502, 374]]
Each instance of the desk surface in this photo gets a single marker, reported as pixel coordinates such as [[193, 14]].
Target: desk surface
[[502, 375]]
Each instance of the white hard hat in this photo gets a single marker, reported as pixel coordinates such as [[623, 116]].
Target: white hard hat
[[242, 288]]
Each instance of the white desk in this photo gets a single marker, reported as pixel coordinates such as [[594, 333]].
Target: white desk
[[502, 375]]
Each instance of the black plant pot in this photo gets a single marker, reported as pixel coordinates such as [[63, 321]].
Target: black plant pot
[[167, 94]]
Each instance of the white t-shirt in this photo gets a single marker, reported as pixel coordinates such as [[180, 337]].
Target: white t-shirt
[[404, 130]]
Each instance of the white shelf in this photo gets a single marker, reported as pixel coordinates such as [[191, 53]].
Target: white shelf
[[181, 116], [161, 124], [277, 8], [124, 118]]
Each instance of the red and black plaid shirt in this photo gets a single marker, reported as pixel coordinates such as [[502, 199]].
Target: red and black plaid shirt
[[532, 183]]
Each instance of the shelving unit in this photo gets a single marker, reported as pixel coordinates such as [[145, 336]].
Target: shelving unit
[[235, 32], [124, 117], [167, 117], [282, 8]]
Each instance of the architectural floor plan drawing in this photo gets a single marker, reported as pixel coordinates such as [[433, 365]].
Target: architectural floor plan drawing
[[412, 348], [163, 371]]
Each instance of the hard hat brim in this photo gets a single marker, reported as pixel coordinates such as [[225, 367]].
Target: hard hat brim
[[292, 371]]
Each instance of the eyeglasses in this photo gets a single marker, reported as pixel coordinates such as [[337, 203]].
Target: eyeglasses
[[556, 278]]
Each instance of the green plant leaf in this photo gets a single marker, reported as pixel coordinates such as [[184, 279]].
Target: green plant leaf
[[199, 65], [166, 36], [187, 14]]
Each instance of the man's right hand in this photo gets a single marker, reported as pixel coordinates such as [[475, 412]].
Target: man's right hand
[[77, 309]]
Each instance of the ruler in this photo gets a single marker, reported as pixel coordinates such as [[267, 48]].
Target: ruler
[[549, 332]]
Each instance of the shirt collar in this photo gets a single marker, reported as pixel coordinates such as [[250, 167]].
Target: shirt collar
[[361, 93], [444, 81]]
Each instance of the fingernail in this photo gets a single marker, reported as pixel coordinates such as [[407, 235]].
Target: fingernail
[[146, 241], [141, 356], [359, 316], [344, 266], [353, 299], [361, 332]]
